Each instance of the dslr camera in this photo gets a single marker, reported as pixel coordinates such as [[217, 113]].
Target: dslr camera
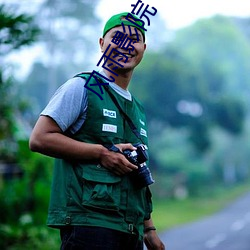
[[142, 176]]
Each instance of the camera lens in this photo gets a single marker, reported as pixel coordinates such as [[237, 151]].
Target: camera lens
[[144, 177]]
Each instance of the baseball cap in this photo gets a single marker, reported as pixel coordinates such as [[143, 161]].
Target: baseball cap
[[117, 20]]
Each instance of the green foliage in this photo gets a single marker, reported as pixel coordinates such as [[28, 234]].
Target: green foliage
[[219, 49], [15, 30], [24, 203], [29, 193], [199, 135], [8, 106], [24, 235], [199, 179], [69, 48], [195, 82], [163, 83], [71, 43], [230, 114]]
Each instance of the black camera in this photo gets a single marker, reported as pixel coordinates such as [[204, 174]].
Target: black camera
[[142, 176]]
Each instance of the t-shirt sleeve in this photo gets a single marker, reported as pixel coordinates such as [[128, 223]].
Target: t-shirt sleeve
[[68, 105]]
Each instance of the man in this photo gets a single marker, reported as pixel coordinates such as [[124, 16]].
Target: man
[[95, 202]]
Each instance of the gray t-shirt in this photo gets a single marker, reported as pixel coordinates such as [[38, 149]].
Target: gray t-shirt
[[68, 106]]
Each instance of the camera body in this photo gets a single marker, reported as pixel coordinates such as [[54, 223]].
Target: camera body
[[142, 177]]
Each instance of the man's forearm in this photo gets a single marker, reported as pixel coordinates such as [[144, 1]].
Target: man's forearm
[[47, 138]]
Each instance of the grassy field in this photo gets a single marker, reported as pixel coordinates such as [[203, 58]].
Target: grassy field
[[171, 213]]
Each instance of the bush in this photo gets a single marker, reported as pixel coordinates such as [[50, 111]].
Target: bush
[[24, 204]]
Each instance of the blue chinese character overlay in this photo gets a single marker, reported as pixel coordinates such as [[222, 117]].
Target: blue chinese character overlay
[[110, 60], [123, 41], [99, 82], [153, 13]]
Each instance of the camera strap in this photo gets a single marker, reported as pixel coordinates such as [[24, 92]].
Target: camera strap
[[125, 116]]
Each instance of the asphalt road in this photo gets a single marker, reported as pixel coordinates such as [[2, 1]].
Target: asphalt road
[[227, 230]]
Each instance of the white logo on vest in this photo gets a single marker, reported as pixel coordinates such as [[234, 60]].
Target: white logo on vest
[[109, 113], [109, 128]]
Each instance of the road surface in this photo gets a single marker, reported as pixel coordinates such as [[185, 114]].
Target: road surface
[[227, 230]]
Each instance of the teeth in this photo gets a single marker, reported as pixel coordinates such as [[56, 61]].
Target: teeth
[[128, 55]]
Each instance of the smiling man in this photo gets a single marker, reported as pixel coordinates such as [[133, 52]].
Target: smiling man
[[133, 54], [95, 198]]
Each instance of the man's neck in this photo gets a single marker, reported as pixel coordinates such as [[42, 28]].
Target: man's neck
[[122, 80]]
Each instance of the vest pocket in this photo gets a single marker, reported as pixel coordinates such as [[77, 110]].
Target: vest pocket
[[101, 188]]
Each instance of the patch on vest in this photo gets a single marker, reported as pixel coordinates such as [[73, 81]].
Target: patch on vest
[[109, 113], [109, 128], [142, 122], [143, 132]]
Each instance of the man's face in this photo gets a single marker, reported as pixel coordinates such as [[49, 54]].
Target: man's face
[[134, 57]]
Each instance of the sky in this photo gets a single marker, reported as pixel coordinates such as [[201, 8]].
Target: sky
[[179, 13], [175, 13]]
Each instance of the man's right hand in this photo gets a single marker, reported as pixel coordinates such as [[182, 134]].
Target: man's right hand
[[115, 162]]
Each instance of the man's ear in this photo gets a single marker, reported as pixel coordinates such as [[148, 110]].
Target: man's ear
[[101, 42]]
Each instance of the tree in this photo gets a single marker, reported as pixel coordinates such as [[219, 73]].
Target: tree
[[16, 31], [184, 86], [69, 30], [196, 95], [69, 38]]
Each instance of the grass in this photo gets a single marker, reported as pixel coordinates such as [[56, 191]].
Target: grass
[[170, 213]]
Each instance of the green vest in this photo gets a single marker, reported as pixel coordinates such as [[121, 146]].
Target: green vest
[[86, 193]]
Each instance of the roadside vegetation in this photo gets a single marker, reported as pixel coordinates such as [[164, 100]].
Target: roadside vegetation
[[171, 213]]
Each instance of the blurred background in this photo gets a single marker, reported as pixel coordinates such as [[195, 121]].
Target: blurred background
[[194, 82]]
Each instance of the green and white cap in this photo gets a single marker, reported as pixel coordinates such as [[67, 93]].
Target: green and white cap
[[118, 19]]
